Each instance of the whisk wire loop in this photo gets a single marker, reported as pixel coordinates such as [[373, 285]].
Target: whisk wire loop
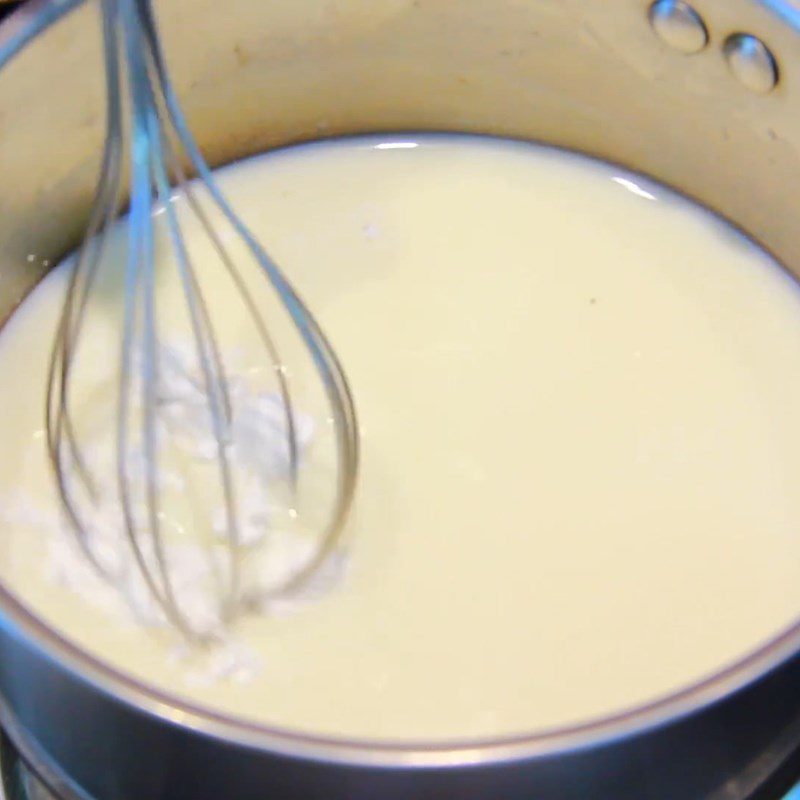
[[144, 118]]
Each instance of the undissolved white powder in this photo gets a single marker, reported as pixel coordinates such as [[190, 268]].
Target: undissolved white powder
[[192, 517]]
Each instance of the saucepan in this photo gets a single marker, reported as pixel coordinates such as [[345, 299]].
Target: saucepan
[[704, 97]]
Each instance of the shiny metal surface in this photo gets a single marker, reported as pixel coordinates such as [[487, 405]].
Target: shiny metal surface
[[751, 62], [17, 780], [584, 74], [677, 24], [146, 127]]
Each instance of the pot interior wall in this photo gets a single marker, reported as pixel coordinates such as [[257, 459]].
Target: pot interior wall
[[584, 74]]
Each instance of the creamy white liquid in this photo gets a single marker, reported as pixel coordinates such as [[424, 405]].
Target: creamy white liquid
[[579, 404]]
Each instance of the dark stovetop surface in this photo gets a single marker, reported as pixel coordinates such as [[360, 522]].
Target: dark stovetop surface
[[6, 7]]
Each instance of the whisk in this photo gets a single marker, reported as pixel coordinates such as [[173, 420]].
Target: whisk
[[146, 127]]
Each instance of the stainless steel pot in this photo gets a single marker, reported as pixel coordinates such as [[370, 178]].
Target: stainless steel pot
[[705, 100]]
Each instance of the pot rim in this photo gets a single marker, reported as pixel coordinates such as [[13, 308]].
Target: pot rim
[[23, 24]]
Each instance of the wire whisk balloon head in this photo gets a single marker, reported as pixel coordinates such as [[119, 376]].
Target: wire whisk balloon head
[[183, 400]]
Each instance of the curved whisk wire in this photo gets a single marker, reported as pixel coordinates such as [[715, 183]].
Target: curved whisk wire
[[156, 139]]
